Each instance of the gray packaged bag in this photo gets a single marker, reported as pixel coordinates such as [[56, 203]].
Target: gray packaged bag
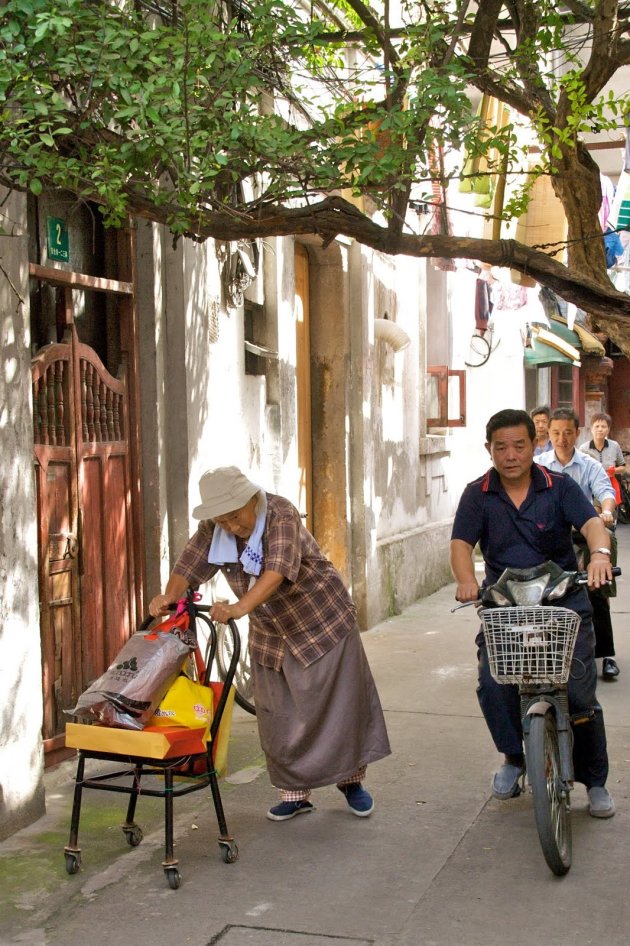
[[133, 686]]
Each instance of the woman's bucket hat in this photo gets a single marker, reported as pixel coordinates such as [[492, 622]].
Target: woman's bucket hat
[[223, 490]]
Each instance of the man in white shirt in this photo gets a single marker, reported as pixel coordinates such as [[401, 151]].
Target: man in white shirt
[[596, 486], [540, 416]]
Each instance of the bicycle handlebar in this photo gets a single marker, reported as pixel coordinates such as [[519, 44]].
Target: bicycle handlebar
[[580, 578]]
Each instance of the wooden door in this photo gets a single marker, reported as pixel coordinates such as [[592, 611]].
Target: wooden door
[[57, 514], [86, 572], [303, 385]]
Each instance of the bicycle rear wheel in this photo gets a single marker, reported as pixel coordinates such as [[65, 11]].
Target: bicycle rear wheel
[[623, 509], [551, 796], [244, 694]]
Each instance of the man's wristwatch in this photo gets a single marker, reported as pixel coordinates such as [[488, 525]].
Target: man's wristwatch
[[602, 550]]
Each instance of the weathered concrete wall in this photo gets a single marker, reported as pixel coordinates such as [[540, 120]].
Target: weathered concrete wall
[[412, 565], [21, 756], [154, 398], [199, 407], [380, 488], [399, 491]]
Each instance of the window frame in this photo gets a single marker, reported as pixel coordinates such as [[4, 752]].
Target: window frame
[[443, 373], [577, 390]]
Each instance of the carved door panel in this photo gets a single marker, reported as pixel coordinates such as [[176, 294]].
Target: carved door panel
[[85, 534], [106, 534], [57, 509]]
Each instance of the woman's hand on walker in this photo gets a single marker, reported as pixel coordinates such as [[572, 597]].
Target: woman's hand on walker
[[160, 605], [224, 612]]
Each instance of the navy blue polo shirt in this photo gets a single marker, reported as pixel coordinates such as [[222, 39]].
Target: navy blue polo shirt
[[520, 538]]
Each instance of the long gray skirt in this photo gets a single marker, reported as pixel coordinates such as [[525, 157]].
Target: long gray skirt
[[319, 724]]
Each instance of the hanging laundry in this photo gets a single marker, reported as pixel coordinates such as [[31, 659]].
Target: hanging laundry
[[613, 247], [483, 305], [620, 210], [608, 195]]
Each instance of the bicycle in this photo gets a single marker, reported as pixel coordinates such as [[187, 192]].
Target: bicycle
[[623, 509], [531, 644]]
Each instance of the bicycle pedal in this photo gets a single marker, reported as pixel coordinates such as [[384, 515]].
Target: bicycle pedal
[[578, 719]]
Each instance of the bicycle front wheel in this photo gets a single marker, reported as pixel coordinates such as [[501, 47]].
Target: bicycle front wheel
[[551, 795]]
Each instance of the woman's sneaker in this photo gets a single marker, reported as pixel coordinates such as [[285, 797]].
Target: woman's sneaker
[[359, 801], [289, 809]]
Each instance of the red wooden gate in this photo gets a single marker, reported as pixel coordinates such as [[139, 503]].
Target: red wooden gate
[[86, 560]]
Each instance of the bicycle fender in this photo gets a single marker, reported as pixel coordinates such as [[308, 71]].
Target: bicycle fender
[[539, 708]]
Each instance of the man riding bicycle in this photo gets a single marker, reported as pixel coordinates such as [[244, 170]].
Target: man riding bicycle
[[522, 515]]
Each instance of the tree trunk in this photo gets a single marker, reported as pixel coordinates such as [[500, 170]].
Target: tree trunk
[[577, 185]]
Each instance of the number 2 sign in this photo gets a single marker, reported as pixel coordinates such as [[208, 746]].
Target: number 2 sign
[[58, 242]]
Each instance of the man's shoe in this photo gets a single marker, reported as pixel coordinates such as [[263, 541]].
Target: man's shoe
[[610, 670], [505, 783], [600, 804], [359, 801], [289, 809]]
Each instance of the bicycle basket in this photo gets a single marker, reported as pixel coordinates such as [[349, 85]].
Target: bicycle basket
[[530, 645]]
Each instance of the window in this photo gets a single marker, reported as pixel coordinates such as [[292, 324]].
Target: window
[[567, 384], [257, 355], [446, 397]]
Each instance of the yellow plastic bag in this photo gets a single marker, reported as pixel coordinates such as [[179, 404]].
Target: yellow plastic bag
[[222, 741], [186, 703]]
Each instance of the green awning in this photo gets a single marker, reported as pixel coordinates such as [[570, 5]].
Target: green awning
[[563, 331], [556, 345], [546, 352], [623, 220], [543, 355]]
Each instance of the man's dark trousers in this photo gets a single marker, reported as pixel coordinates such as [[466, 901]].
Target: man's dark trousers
[[500, 703]]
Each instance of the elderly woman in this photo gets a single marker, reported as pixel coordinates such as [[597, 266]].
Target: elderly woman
[[319, 716]]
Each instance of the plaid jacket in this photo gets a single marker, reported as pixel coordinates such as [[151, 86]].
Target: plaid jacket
[[309, 613]]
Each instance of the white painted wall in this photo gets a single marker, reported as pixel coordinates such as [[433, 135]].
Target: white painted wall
[[21, 756]]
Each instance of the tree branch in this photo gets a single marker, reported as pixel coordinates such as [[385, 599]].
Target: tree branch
[[334, 216], [604, 59], [371, 20], [482, 33]]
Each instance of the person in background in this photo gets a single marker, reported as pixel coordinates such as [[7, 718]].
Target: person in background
[[540, 416], [596, 486], [319, 716], [521, 515], [602, 448]]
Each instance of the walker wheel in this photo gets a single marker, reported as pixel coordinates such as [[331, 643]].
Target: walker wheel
[[229, 851], [73, 862], [134, 834], [174, 877]]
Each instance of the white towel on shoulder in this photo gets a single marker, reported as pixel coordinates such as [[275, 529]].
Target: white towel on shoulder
[[223, 546]]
